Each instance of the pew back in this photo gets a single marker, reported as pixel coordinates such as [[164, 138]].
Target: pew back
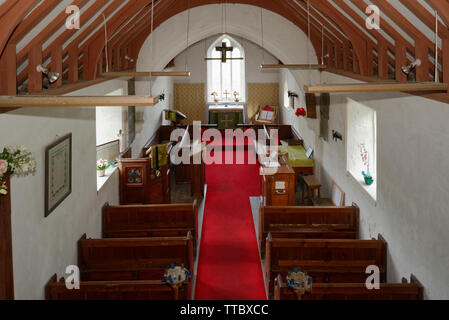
[[308, 222], [132, 258], [116, 290], [352, 291], [325, 260], [150, 220]]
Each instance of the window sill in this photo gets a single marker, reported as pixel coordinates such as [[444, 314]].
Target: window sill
[[101, 181], [369, 191]]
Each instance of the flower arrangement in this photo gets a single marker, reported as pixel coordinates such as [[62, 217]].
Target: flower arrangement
[[301, 112], [236, 96], [102, 165], [298, 281], [17, 161], [215, 95], [365, 159], [176, 275]]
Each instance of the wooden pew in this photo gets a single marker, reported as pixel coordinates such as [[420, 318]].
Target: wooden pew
[[132, 258], [352, 291], [167, 220], [116, 290], [308, 223], [326, 261]]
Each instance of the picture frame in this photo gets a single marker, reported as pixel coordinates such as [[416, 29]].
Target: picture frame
[[58, 173]]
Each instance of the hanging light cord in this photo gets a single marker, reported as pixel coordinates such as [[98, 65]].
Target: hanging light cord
[[308, 26], [152, 48], [188, 33], [106, 43], [262, 35]]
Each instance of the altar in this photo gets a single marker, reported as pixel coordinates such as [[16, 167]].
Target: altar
[[226, 116]]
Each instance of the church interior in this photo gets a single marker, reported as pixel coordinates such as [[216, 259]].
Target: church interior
[[224, 149]]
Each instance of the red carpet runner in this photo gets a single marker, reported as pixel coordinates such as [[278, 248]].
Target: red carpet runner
[[229, 265]]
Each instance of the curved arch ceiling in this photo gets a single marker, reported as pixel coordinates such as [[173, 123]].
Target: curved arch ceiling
[[34, 31]]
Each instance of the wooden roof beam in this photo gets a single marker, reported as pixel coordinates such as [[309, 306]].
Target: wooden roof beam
[[12, 17]]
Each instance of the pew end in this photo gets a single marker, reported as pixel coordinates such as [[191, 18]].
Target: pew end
[[53, 279], [80, 258], [357, 220], [415, 280]]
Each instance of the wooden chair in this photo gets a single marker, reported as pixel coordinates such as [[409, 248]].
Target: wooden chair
[[337, 197]]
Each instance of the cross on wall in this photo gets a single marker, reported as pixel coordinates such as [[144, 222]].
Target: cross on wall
[[224, 49]]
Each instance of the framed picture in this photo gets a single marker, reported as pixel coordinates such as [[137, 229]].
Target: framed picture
[[58, 173]]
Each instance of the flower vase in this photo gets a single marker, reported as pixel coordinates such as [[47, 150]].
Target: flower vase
[[368, 178], [101, 173]]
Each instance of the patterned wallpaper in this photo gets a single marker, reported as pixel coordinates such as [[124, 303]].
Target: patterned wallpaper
[[189, 99], [261, 94]]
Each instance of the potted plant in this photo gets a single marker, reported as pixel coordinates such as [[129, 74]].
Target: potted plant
[[215, 95], [368, 177], [102, 165], [15, 160]]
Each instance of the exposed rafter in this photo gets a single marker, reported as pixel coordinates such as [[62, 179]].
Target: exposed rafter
[[79, 55]]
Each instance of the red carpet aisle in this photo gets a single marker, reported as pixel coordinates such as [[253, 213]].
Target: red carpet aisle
[[229, 265]]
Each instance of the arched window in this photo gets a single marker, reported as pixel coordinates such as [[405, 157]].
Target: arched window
[[229, 77]]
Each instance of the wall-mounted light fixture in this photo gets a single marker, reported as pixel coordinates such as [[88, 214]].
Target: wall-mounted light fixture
[[410, 67], [129, 59], [52, 76]]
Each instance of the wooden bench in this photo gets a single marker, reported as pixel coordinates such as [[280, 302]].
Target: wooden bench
[[132, 258], [352, 291], [326, 261], [168, 220], [308, 223], [116, 290]]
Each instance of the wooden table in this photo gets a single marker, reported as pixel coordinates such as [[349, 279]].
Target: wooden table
[[312, 184]]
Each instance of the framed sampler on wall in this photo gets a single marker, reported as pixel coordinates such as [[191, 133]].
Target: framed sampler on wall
[[58, 173]]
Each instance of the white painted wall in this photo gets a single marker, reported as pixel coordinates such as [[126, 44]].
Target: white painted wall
[[411, 209], [243, 22], [44, 246], [149, 119], [254, 57]]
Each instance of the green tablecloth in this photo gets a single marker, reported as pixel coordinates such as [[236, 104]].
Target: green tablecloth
[[226, 120], [297, 156]]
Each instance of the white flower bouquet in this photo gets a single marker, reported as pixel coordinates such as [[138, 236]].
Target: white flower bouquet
[[15, 160]]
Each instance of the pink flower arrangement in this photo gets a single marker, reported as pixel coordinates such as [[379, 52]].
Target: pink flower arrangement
[[365, 155], [102, 164], [3, 167]]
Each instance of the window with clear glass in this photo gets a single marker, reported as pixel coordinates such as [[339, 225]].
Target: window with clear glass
[[362, 145], [226, 81]]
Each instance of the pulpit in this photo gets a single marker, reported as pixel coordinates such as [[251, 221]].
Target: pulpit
[[226, 116], [277, 181]]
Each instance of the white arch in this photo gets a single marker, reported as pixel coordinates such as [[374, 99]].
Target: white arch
[[282, 38]]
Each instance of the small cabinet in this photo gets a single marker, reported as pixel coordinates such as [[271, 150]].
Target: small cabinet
[[278, 184]]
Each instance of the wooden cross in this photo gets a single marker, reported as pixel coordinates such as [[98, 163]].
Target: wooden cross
[[224, 51]]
